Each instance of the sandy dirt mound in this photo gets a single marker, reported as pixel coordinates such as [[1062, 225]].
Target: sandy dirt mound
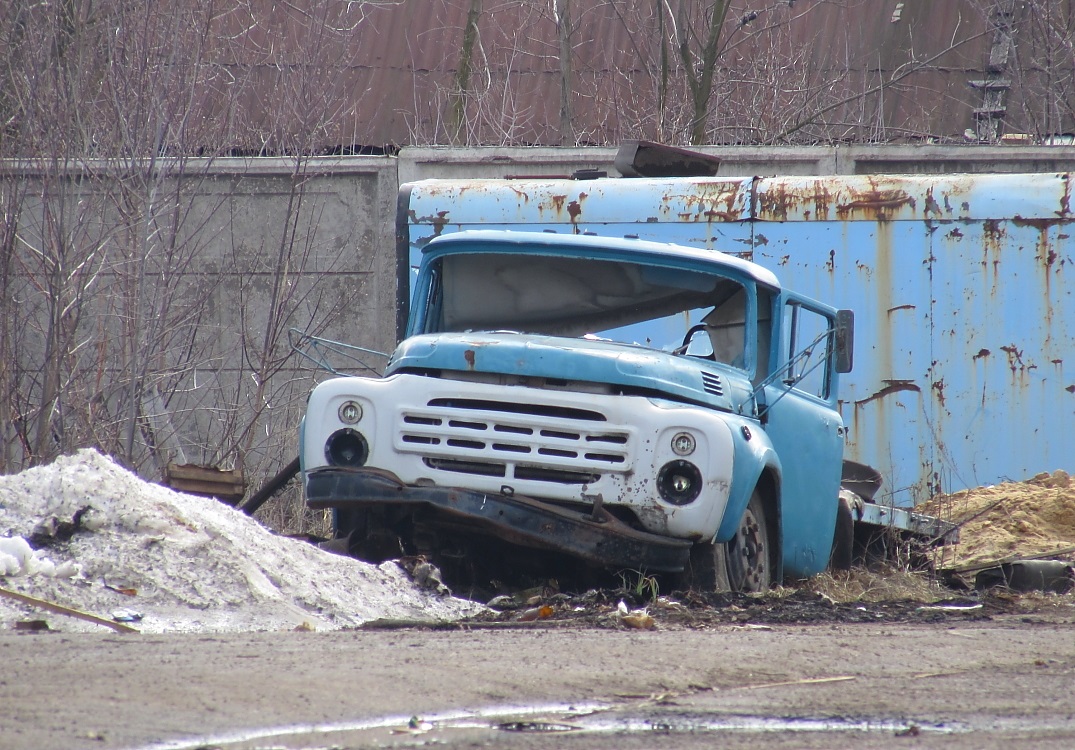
[[1013, 520], [86, 534]]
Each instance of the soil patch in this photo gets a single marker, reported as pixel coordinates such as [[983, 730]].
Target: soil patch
[[1009, 521], [609, 609]]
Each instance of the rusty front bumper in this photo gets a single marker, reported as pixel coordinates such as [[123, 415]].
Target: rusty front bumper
[[598, 538]]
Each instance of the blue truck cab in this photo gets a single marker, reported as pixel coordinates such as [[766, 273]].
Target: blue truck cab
[[613, 402]]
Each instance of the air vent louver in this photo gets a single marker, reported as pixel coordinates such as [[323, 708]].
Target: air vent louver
[[711, 384]]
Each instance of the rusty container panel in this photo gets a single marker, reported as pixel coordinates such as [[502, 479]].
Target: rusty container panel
[[710, 213], [965, 312], [875, 268]]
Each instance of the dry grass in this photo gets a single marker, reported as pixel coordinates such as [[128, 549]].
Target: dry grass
[[891, 584], [1039, 602]]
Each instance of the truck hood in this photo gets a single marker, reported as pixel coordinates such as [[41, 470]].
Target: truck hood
[[525, 355]]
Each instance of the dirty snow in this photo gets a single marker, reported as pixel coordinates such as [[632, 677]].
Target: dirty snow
[[167, 561]]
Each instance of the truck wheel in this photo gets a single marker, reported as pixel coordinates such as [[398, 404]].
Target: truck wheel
[[707, 569], [741, 565], [843, 539], [748, 551]]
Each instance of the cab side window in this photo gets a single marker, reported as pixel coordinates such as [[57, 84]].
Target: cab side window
[[806, 344]]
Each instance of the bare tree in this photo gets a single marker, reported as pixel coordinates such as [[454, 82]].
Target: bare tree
[[1041, 72], [458, 97], [114, 273], [699, 50], [563, 35]]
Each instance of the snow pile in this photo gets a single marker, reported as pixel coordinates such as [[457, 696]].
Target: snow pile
[[86, 534]]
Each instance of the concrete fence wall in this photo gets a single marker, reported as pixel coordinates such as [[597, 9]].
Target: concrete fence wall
[[148, 314]]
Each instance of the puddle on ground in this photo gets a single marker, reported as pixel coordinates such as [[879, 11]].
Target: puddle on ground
[[592, 718], [298, 735], [694, 723]]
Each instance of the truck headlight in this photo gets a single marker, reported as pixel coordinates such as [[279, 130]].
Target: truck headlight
[[679, 482], [346, 447]]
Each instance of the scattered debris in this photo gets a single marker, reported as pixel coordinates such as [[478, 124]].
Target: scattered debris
[[804, 681], [425, 574], [126, 615], [639, 619], [543, 612], [1057, 576], [88, 540], [32, 625], [951, 607], [537, 726], [604, 609]]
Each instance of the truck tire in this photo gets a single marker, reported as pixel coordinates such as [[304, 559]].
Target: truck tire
[[740, 565], [707, 569], [843, 538], [749, 568]]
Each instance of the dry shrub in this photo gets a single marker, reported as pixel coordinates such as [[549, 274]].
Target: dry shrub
[[288, 515]]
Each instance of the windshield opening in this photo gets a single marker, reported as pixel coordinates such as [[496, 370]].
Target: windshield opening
[[622, 301]]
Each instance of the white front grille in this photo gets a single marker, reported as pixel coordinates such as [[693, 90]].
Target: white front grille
[[535, 442]]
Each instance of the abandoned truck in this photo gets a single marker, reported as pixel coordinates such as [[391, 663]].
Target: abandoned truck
[[620, 402]]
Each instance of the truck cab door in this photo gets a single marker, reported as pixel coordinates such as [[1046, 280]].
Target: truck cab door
[[806, 430]]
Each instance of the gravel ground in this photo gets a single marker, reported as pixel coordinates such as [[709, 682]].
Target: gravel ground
[[983, 683]]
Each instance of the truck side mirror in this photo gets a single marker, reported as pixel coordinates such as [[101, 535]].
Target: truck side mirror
[[845, 340]]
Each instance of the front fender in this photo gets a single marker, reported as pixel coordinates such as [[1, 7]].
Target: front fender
[[754, 454]]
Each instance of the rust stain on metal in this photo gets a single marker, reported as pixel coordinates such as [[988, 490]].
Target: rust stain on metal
[[938, 386], [1070, 389], [711, 203], [1042, 225], [1015, 359], [468, 355], [900, 307], [818, 199], [438, 220], [781, 200], [574, 208], [982, 353], [894, 386], [712, 215], [877, 204], [932, 206], [993, 236]]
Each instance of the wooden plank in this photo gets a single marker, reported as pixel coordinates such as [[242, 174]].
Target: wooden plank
[[119, 627], [226, 484]]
